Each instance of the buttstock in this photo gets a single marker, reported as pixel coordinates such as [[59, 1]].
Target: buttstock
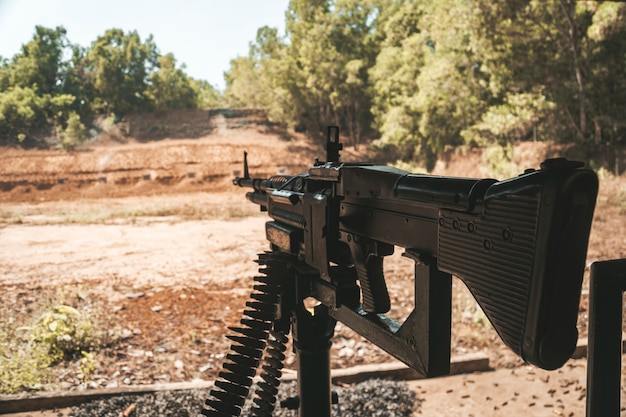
[[523, 258]]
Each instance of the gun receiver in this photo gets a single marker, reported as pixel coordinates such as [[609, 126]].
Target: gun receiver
[[519, 245]]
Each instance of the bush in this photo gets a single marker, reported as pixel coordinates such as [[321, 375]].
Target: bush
[[28, 353], [22, 365], [65, 333], [21, 109], [73, 134]]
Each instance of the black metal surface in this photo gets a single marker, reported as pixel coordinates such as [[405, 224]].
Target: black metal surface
[[604, 355], [250, 341], [312, 334], [422, 341]]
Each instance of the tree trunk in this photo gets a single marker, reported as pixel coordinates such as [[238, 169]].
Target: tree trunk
[[569, 9]]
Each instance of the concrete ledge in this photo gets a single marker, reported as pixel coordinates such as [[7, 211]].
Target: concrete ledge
[[63, 399]]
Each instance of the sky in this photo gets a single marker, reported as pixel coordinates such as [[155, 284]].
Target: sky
[[205, 35]]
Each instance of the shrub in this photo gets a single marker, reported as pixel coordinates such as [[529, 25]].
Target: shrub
[[73, 134], [65, 332], [21, 109], [28, 353], [23, 365]]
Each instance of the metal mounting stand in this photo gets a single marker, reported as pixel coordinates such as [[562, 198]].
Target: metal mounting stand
[[604, 356], [422, 340], [312, 334]]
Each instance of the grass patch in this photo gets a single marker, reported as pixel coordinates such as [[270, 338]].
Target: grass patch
[[130, 210], [44, 334]]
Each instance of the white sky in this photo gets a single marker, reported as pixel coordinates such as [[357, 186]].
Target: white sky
[[203, 34]]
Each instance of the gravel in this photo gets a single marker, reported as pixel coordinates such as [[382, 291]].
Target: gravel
[[377, 398]]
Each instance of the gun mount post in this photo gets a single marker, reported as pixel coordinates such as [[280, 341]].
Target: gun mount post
[[604, 355], [312, 334]]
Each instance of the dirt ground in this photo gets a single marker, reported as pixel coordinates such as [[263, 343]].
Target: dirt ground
[[153, 237]]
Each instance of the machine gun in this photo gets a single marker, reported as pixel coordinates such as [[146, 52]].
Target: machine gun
[[519, 245]]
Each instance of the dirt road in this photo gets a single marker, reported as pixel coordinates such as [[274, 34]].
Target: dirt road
[[151, 252]]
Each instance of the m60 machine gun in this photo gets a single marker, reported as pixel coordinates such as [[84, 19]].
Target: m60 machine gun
[[519, 245]]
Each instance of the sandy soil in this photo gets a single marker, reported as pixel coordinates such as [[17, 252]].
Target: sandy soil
[[171, 281]]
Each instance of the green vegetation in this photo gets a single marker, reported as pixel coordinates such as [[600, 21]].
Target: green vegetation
[[32, 342], [423, 75], [418, 75], [43, 92]]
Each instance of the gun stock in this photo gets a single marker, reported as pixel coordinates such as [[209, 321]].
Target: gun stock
[[523, 258]]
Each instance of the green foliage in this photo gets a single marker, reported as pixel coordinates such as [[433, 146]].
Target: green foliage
[[259, 80], [319, 76], [21, 109], [419, 75], [31, 347], [517, 118], [52, 80], [428, 75], [73, 134], [22, 366], [120, 65], [40, 63], [207, 96], [65, 332], [499, 161], [170, 87]]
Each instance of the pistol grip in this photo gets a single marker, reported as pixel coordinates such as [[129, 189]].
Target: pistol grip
[[368, 262]]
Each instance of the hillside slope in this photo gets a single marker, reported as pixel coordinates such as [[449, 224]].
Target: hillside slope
[[184, 151]]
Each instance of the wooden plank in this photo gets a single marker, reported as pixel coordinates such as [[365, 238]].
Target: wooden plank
[[472, 362], [64, 399]]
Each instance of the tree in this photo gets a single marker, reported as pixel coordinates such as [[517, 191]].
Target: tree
[[606, 69], [554, 69], [394, 78], [73, 134], [319, 75], [40, 64], [261, 79], [207, 95], [31, 85], [355, 39], [21, 110], [79, 83], [54, 84], [119, 66], [170, 87]]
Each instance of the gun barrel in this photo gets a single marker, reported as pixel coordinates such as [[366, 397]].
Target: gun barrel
[[259, 184], [263, 184]]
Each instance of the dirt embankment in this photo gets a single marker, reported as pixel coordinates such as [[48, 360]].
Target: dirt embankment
[[172, 152], [182, 151]]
